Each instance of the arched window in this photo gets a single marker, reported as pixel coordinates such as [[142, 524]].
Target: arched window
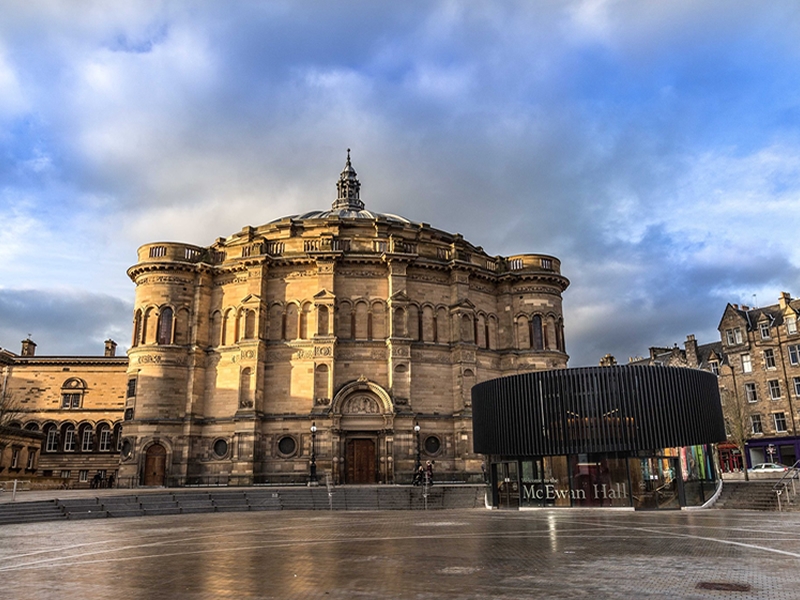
[[467, 329], [117, 437], [304, 313], [165, 326], [72, 392], [245, 396], [442, 326], [290, 332], [361, 321], [216, 329], [275, 322], [181, 332], [51, 438], [87, 438], [523, 332], [537, 336], [104, 437], [428, 324], [414, 323], [322, 320], [399, 322], [68, 435], [250, 324], [344, 321], [378, 321], [137, 328]]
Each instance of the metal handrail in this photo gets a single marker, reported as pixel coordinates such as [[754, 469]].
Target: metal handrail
[[782, 487]]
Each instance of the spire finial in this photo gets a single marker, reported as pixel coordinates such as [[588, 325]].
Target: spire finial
[[348, 188]]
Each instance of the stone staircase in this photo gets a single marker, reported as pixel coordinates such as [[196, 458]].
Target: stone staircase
[[30, 512], [748, 495], [182, 501]]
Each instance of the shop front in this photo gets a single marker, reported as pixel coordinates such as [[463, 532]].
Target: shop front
[[783, 450], [596, 421]]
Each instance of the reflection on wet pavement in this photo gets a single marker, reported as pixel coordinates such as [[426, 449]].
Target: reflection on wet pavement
[[442, 554]]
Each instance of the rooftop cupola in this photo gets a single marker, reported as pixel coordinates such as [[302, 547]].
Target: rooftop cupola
[[348, 188]]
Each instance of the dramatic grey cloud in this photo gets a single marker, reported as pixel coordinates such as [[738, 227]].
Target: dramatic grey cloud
[[652, 147]]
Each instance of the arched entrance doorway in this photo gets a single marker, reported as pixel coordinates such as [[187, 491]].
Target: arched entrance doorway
[[362, 424], [155, 465]]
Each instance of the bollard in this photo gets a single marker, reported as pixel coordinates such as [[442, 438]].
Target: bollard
[[14, 493]]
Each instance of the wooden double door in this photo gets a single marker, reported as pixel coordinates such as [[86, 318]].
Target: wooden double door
[[360, 461], [155, 465]]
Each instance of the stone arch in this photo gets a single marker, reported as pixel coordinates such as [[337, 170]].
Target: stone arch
[[305, 321], [216, 329], [523, 332], [414, 322], [137, 327], [156, 455], [377, 313], [354, 388], [344, 320], [323, 320], [428, 333], [275, 322], [182, 332], [361, 324], [291, 320]]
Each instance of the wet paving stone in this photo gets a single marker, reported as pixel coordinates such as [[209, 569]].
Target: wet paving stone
[[422, 555]]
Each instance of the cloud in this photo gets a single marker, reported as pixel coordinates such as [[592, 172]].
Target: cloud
[[64, 323], [651, 148]]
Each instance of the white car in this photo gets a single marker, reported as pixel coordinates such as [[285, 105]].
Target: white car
[[768, 468]]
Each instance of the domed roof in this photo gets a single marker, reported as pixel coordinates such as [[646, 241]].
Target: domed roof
[[348, 204]]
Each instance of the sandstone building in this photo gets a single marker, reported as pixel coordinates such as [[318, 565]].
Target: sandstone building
[[757, 361], [63, 415], [359, 324]]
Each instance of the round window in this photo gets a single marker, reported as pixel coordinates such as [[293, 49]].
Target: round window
[[220, 448], [127, 449], [432, 445], [287, 446]]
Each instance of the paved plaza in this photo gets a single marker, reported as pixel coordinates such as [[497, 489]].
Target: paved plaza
[[407, 554]]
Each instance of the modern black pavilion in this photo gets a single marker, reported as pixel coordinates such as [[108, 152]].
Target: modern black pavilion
[[626, 436]]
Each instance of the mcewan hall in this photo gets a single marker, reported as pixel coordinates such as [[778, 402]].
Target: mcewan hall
[[348, 342]]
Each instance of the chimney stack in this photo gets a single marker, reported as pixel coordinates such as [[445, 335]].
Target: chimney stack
[[111, 348], [691, 351], [28, 347], [784, 299]]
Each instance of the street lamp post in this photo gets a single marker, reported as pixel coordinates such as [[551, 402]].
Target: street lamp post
[[418, 462], [312, 480]]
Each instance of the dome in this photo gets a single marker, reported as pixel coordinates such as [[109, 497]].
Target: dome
[[348, 204]]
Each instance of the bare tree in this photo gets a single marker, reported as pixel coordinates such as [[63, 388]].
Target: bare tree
[[737, 423]]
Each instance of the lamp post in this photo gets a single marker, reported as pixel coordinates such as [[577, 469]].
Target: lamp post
[[418, 462], [312, 480]]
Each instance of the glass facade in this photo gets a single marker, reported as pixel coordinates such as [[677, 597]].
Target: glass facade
[[671, 478]]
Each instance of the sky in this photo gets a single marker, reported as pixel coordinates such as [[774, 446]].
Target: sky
[[653, 147]]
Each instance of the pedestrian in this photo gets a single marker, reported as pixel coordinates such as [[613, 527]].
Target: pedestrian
[[429, 473], [111, 481]]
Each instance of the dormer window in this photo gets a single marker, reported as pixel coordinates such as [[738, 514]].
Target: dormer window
[[764, 329], [791, 325], [714, 367]]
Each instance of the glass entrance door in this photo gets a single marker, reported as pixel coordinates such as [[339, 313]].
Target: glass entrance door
[[507, 484], [657, 485]]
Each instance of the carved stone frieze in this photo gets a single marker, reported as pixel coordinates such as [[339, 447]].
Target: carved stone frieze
[[161, 279]]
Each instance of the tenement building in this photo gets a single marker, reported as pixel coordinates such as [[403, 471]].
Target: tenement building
[[61, 416], [757, 362], [343, 340]]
